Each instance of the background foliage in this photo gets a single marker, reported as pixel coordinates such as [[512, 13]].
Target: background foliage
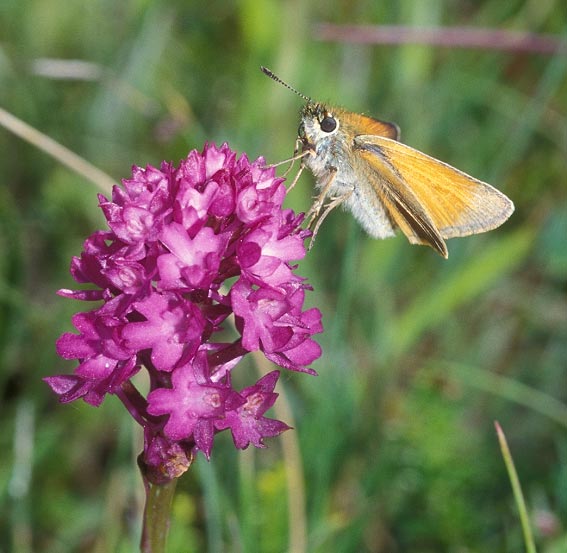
[[421, 355]]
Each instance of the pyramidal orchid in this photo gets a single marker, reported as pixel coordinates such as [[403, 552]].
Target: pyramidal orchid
[[188, 247]]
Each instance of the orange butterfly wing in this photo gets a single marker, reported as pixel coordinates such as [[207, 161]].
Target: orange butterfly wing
[[353, 122], [428, 199]]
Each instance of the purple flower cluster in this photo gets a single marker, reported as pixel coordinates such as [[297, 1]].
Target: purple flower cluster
[[186, 248]]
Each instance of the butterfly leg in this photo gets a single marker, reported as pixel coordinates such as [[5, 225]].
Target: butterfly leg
[[328, 208], [296, 178], [292, 160], [318, 205], [301, 167], [315, 209]]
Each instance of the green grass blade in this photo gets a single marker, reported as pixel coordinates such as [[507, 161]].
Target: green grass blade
[[518, 495]]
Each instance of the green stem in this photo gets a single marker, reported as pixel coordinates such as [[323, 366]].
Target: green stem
[[159, 498], [517, 489]]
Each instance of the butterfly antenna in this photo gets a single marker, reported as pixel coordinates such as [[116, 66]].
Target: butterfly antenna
[[273, 76]]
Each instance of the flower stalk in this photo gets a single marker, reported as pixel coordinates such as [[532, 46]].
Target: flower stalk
[[159, 498]]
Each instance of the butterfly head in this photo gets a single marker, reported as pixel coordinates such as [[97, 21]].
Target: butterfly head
[[319, 128]]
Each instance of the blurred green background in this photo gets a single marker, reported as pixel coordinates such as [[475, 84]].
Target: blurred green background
[[421, 355]]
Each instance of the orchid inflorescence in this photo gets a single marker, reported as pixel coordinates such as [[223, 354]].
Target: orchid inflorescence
[[187, 247]]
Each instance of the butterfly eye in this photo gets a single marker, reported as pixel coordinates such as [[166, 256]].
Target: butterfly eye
[[328, 124], [301, 131]]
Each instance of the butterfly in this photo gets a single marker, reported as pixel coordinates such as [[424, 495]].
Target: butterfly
[[358, 162]]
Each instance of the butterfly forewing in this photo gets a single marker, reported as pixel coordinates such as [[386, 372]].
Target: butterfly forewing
[[457, 204]]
